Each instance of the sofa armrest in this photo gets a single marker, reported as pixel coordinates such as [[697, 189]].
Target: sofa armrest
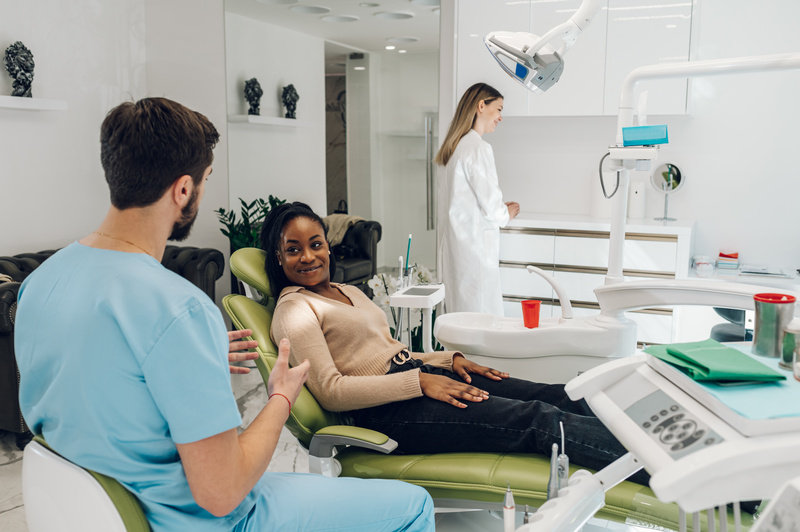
[[201, 266]]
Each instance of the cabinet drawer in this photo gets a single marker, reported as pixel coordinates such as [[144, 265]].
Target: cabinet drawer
[[652, 328], [642, 255], [518, 282], [580, 286], [520, 246]]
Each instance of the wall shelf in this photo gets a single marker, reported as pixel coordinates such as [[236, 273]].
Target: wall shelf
[[32, 104], [268, 120]]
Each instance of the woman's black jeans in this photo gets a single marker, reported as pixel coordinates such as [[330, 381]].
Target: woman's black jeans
[[519, 416]]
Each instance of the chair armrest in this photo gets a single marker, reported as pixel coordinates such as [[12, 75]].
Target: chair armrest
[[324, 440]]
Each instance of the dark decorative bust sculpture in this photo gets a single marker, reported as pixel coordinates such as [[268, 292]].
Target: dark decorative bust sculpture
[[19, 64], [290, 98], [253, 94]]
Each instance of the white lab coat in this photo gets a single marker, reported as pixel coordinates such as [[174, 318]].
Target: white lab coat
[[471, 213]]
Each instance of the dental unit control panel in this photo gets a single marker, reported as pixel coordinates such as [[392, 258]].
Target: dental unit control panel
[[699, 452], [671, 426]]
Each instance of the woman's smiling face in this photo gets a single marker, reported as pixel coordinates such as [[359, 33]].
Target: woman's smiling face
[[304, 253]]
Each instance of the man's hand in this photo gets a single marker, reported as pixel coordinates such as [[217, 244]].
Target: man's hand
[[464, 367], [445, 389], [285, 380], [238, 350]]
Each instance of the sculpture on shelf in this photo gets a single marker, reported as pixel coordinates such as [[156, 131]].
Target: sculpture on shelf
[[253, 93], [19, 64], [290, 98]]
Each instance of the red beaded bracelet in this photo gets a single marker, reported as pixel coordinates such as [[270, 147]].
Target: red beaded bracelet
[[287, 399]]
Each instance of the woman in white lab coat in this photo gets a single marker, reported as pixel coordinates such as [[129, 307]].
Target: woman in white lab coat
[[471, 207]]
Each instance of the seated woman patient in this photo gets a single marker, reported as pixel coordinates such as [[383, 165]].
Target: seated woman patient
[[427, 402]]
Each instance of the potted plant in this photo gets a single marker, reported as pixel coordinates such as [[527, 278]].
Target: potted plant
[[244, 232]]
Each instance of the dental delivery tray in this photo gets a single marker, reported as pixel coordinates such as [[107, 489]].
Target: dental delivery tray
[[753, 409], [701, 448], [418, 296]]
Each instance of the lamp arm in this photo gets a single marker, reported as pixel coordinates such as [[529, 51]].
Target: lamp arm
[[569, 30]]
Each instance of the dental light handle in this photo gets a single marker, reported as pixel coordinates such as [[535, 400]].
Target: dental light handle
[[566, 305]]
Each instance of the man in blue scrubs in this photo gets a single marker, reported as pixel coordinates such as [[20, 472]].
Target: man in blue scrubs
[[124, 364]]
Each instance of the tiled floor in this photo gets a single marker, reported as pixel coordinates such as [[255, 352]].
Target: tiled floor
[[250, 394]]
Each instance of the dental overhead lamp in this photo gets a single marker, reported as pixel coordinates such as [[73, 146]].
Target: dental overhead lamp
[[530, 59]]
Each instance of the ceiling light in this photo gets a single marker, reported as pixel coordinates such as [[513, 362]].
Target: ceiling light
[[340, 18], [425, 2], [402, 40], [394, 15], [390, 47], [310, 10], [368, 4], [401, 51], [359, 68]]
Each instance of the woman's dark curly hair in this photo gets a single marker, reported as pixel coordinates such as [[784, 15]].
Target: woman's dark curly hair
[[270, 239]]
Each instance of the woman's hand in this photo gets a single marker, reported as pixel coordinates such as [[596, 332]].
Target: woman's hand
[[513, 209], [449, 391], [285, 380], [238, 351], [463, 367]]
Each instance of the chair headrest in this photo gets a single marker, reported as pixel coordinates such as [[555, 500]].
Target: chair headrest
[[247, 264]]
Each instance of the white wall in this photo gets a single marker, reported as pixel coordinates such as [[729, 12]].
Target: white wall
[[287, 162], [186, 62], [92, 55], [407, 90], [737, 148]]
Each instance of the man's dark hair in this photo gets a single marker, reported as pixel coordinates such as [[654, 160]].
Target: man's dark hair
[[146, 145], [270, 238]]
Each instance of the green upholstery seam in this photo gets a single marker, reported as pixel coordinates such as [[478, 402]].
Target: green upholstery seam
[[419, 459]]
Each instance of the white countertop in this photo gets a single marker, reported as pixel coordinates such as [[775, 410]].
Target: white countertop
[[782, 283], [576, 222]]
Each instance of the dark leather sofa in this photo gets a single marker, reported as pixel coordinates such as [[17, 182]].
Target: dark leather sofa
[[201, 266], [357, 255]]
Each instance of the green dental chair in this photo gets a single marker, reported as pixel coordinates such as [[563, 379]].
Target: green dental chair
[[454, 480]]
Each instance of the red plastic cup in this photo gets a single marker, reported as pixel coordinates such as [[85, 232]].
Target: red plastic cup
[[530, 313]]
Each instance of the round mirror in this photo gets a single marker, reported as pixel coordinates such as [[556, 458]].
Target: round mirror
[[667, 178]]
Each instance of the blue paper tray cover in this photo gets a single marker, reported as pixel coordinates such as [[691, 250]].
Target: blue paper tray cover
[[644, 135]]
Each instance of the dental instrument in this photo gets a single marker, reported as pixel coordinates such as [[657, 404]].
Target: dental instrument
[[509, 514], [408, 256], [563, 461], [552, 483], [529, 59]]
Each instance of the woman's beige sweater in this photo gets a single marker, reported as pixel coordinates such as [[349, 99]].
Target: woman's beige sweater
[[350, 349]]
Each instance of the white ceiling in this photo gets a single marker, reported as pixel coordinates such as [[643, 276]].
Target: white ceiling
[[374, 24]]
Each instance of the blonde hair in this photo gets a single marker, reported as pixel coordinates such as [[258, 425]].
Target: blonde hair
[[464, 119]]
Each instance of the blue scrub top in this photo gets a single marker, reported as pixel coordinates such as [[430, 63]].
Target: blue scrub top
[[120, 359]]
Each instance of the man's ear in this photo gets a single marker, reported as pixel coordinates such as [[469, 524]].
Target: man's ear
[[182, 190]]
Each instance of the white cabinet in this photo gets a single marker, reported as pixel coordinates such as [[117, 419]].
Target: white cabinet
[[647, 33], [574, 250], [625, 34]]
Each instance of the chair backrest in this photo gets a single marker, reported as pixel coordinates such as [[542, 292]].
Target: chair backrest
[[60, 495], [307, 416]]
